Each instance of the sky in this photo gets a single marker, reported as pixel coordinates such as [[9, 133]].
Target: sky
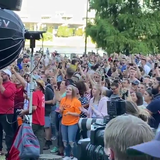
[[76, 8]]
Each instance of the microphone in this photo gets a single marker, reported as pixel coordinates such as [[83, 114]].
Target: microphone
[[12, 37], [14, 5], [13, 33]]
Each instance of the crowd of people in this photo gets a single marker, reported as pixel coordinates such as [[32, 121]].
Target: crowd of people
[[66, 90]]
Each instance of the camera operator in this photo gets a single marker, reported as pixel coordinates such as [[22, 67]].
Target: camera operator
[[125, 131]]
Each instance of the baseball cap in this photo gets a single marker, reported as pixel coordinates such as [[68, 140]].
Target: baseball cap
[[8, 72], [135, 82], [149, 148]]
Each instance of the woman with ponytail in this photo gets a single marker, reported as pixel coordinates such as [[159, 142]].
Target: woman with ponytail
[[133, 109]]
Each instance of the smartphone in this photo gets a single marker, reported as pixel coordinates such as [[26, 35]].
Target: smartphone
[[131, 64], [103, 78], [155, 66]]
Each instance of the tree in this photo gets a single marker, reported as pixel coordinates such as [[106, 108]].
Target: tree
[[79, 32], [125, 25], [64, 31], [48, 36]]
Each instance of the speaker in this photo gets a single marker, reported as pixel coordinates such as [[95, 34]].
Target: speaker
[[14, 5]]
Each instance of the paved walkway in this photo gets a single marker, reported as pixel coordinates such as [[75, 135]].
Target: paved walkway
[[44, 152]]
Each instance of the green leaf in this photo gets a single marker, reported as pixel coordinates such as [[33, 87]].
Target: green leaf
[[121, 25]]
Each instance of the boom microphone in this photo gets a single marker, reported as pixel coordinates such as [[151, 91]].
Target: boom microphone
[[11, 37]]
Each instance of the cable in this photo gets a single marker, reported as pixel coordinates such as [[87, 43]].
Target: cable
[[39, 59], [10, 109], [23, 102]]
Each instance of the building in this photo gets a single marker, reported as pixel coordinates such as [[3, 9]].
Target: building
[[38, 14]]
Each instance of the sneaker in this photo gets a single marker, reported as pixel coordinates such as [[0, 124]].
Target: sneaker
[[54, 150], [53, 138], [47, 145], [74, 158], [50, 143], [66, 158]]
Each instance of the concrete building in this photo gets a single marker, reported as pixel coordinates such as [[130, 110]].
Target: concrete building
[[42, 13]]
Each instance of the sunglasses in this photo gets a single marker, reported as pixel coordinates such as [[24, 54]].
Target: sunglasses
[[113, 89]]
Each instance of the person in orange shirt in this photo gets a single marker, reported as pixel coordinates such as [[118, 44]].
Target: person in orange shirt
[[70, 109]]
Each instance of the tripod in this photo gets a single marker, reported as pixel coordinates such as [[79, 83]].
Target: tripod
[[32, 36]]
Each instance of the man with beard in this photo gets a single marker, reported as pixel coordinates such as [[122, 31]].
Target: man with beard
[[154, 106], [7, 95]]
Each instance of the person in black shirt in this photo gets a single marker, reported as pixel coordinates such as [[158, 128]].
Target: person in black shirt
[[154, 106], [85, 103], [48, 84], [69, 74], [49, 94]]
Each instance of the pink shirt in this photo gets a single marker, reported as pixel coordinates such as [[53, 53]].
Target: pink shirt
[[101, 109]]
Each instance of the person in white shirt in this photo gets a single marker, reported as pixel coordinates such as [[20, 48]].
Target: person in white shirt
[[146, 68]]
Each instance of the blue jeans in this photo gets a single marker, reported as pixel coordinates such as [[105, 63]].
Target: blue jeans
[[53, 122], [69, 138]]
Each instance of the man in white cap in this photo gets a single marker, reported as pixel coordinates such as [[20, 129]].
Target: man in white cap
[[7, 94]]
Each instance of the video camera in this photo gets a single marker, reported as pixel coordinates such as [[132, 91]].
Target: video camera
[[93, 148]]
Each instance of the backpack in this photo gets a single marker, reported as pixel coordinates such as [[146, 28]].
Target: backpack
[[25, 144]]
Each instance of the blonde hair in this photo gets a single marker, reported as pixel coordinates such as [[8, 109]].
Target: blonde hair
[[74, 91], [125, 131], [99, 89], [133, 109], [103, 91]]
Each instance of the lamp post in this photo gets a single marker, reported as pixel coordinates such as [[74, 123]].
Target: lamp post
[[85, 51]]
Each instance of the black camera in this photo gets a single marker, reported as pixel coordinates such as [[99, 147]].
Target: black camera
[[93, 148]]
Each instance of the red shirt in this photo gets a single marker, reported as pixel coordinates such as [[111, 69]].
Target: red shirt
[[39, 113], [19, 98], [109, 59], [7, 98]]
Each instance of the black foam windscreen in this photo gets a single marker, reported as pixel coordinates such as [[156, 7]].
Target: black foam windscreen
[[14, 5], [11, 37]]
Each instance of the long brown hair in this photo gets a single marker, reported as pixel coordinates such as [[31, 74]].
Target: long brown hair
[[74, 94], [133, 109]]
